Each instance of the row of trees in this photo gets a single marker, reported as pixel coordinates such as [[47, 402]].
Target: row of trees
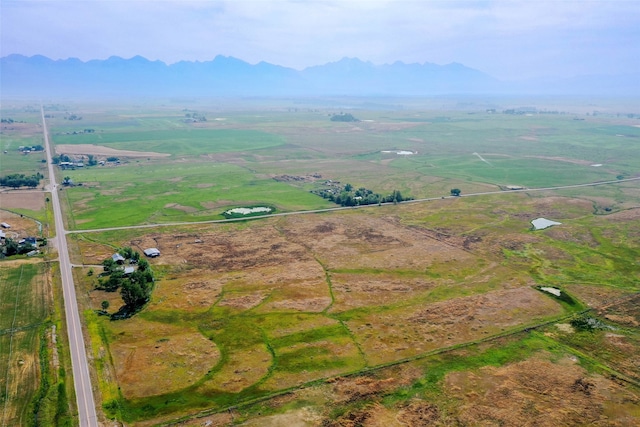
[[348, 196], [61, 158], [135, 288], [17, 180], [343, 117]]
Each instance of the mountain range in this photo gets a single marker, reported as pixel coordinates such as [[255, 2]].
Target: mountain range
[[226, 76]]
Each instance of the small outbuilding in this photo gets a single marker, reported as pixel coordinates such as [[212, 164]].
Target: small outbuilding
[[129, 270], [32, 241], [117, 258], [4, 225], [152, 252]]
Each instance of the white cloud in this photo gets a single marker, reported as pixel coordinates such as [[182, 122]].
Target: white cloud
[[504, 38]]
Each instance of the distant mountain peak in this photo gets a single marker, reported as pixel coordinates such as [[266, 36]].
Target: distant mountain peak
[[39, 76]]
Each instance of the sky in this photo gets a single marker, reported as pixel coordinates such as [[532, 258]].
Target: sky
[[508, 39]]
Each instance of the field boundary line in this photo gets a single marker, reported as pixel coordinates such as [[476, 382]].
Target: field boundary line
[[13, 324], [22, 328], [518, 330], [429, 199]]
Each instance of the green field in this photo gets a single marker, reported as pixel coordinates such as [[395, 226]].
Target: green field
[[229, 160], [28, 386], [182, 142]]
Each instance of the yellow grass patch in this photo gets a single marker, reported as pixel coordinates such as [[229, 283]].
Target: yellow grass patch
[[100, 150], [244, 368], [22, 199], [152, 358], [539, 392], [401, 333]]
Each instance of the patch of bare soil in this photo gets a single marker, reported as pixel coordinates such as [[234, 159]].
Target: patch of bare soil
[[390, 126], [243, 302], [191, 290], [303, 417], [215, 205], [297, 178], [33, 200], [358, 290], [100, 150], [346, 390], [187, 209], [92, 253], [418, 413], [596, 296], [20, 226], [538, 393], [351, 241], [21, 129], [244, 368], [625, 216], [238, 251], [565, 160]]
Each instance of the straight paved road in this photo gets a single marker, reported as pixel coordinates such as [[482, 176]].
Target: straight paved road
[[81, 379]]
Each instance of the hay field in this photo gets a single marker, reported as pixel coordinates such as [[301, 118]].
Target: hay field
[[24, 307]]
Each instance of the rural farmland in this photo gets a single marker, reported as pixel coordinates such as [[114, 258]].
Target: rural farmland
[[402, 312]]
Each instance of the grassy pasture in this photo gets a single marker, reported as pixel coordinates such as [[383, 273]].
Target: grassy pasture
[[182, 142], [23, 313], [186, 191], [14, 135], [232, 160]]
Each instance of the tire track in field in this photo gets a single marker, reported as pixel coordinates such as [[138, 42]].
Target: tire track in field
[[341, 208], [13, 324], [482, 158]]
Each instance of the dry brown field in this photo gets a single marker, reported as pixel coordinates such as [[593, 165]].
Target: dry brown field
[[20, 226], [32, 200], [261, 307]]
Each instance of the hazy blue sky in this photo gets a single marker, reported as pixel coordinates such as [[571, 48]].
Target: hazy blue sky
[[507, 39]]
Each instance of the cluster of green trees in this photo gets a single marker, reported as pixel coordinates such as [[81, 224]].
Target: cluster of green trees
[[135, 288], [349, 196], [196, 116], [61, 158], [16, 180], [343, 117], [11, 247], [33, 148]]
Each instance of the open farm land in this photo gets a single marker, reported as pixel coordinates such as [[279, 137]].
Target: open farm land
[[25, 334], [450, 310], [20, 133], [179, 164], [393, 315]]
